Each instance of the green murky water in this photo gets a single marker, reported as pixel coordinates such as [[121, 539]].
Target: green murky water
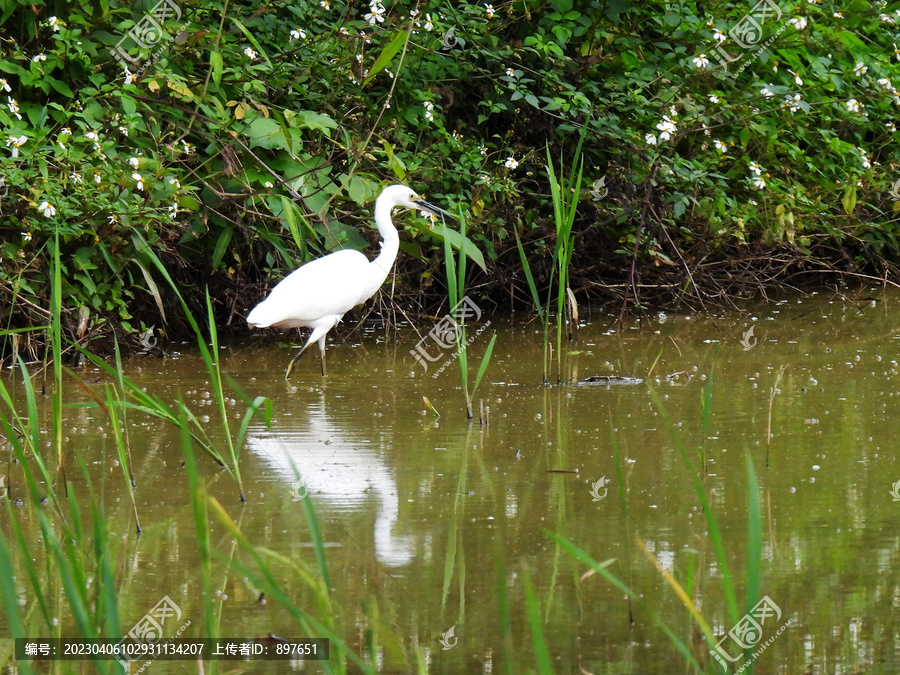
[[426, 520]]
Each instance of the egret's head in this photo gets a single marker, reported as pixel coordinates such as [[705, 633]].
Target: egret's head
[[400, 195]]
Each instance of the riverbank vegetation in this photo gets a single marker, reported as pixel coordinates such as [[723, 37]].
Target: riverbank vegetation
[[727, 149]]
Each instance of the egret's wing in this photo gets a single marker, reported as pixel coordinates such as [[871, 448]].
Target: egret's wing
[[323, 287]]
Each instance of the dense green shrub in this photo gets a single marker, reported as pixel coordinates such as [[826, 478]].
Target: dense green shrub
[[249, 136]]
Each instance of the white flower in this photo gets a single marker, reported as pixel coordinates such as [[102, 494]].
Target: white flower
[[768, 93], [359, 57], [798, 22], [140, 181], [511, 163], [854, 106], [886, 83], [891, 127], [672, 111], [124, 130], [269, 184], [76, 177], [650, 139], [16, 142], [838, 15], [483, 150], [297, 34], [343, 31], [54, 23], [325, 4], [755, 168], [428, 25], [97, 178], [47, 209], [13, 106], [173, 210], [759, 183], [4, 85], [113, 219], [860, 69], [720, 146], [489, 9], [92, 136], [27, 236], [792, 101], [887, 18], [719, 36], [429, 105], [376, 14], [510, 72], [38, 58], [429, 116], [864, 158], [188, 148], [251, 54], [797, 79], [667, 128], [701, 61], [713, 98], [705, 129], [134, 162]]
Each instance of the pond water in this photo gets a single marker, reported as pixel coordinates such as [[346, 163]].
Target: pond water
[[435, 523]]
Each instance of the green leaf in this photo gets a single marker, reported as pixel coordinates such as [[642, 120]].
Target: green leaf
[[388, 53], [394, 163], [307, 119], [266, 133], [60, 86], [443, 233], [215, 61], [849, 199], [221, 246]]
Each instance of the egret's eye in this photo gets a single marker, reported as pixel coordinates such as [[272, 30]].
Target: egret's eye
[[413, 197]]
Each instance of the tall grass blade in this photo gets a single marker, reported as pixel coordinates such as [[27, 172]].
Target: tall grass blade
[[600, 568], [754, 537], [538, 642]]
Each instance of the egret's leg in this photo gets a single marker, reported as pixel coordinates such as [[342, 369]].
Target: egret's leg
[[322, 354], [318, 335], [287, 373]]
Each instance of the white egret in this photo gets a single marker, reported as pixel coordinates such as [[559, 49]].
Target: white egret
[[317, 294]]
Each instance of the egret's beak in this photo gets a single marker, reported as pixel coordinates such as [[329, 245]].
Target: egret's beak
[[422, 205]]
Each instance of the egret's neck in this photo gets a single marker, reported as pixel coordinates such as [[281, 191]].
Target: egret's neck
[[391, 240]]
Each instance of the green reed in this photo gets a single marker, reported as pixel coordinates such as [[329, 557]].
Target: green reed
[[456, 286], [565, 193]]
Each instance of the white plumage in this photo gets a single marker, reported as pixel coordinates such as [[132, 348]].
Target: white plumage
[[320, 292]]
